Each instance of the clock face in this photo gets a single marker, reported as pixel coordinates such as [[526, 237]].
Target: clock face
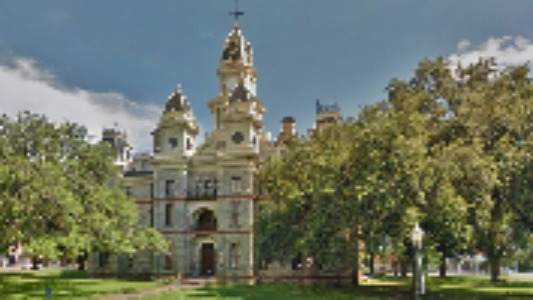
[[230, 84], [237, 137]]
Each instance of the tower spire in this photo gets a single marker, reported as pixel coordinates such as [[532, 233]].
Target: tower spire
[[237, 13]]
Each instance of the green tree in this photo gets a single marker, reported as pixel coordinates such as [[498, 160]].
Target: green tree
[[60, 195], [449, 150]]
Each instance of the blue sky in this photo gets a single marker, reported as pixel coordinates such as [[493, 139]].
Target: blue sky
[[102, 62]]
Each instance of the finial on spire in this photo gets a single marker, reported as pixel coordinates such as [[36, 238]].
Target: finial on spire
[[237, 13], [178, 88]]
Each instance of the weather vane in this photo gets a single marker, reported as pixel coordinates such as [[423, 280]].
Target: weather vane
[[237, 13]]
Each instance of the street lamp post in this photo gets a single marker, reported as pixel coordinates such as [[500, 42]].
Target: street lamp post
[[418, 277]]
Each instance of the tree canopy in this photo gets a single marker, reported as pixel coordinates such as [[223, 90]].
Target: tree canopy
[[450, 148], [60, 195]]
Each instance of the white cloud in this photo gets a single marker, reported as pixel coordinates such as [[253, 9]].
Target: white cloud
[[24, 86], [507, 50], [463, 45]]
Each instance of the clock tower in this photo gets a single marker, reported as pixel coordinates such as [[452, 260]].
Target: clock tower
[[236, 69]]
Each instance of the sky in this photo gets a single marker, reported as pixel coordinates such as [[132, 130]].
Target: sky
[[114, 63]]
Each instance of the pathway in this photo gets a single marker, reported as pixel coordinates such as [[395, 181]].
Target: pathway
[[186, 284]]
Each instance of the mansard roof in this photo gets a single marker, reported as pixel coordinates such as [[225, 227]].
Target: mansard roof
[[177, 101]]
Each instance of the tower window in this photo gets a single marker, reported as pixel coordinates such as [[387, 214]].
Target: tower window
[[189, 144], [173, 142]]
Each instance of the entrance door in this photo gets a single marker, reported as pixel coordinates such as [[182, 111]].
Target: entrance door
[[208, 260]]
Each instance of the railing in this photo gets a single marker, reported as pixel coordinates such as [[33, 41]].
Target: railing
[[202, 195]]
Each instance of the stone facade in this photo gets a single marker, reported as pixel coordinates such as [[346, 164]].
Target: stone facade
[[202, 199]]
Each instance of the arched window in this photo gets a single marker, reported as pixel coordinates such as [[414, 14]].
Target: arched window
[[173, 142], [206, 221]]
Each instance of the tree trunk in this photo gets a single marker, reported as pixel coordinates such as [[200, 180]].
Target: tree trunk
[[395, 267], [35, 262], [355, 268], [495, 262], [371, 263], [81, 263], [81, 259], [442, 268], [403, 267]]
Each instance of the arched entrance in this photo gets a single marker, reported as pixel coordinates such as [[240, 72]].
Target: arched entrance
[[207, 259]]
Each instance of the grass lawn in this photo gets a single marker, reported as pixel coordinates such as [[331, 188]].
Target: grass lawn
[[75, 285], [64, 285], [470, 288]]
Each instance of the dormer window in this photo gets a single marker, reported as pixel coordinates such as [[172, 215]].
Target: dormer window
[[173, 142]]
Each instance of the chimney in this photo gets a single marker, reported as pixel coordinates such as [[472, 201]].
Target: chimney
[[288, 129]]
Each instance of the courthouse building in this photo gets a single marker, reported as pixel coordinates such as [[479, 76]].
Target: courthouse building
[[202, 199]]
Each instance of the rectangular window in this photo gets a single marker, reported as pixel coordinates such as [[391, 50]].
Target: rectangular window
[[235, 184], [129, 191], [198, 187], [151, 216], [103, 259], [235, 213], [130, 261], [151, 191], [207, 187], [234, 256], [215, 188], [169, 188], [168, 261], [168, 214]]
